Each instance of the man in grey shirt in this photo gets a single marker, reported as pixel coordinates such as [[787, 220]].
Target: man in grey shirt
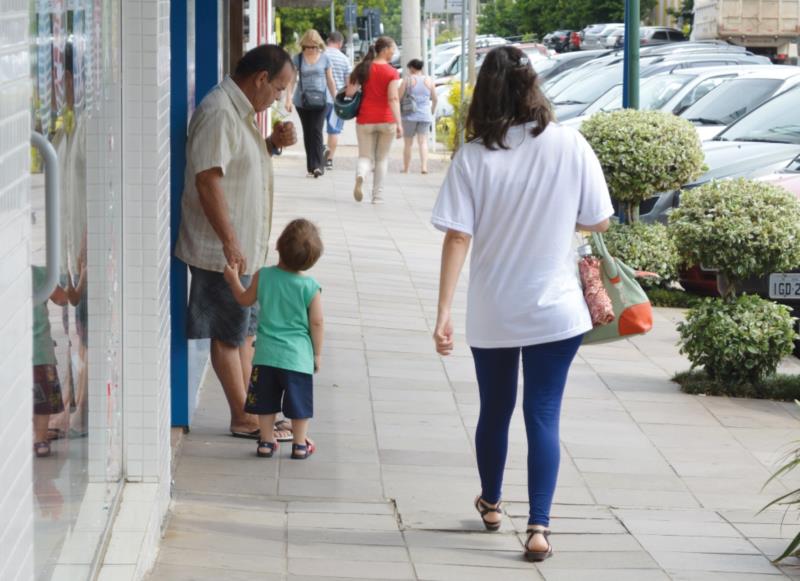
[[341, 73]]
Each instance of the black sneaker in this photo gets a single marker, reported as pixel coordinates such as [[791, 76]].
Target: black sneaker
[[318, 172], [329, 164]]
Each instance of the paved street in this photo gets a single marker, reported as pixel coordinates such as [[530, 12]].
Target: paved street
[[654, 484]]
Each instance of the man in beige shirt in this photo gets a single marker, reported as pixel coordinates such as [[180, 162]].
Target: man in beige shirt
[[227, 213]]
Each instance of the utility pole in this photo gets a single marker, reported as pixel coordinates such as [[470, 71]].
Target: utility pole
[[333, 15], [473, 35], [630, 83], [462, 116], [412, 37]]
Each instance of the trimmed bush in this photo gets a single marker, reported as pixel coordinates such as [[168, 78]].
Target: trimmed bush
[[672, 298], [643, 153], [647, 247], [740, 340], [742, 228], [779, 387]]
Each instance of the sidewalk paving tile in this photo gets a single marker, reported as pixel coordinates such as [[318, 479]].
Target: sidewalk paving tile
[[654, 485]]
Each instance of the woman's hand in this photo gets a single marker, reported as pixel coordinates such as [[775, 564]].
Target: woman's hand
[[399, 131], [443, 334], [288, 105]]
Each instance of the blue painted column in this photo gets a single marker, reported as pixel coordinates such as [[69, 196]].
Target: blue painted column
[[630, 85], [206, 47], [179, 110]]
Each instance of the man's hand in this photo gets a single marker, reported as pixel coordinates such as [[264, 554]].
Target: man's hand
[[284, 135], [234, 256]]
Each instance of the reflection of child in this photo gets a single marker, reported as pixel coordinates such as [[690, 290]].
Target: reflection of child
[[288, 339], [46, 386]]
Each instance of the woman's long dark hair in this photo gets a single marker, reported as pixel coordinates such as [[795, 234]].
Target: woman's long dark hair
[[360, 73], [507, 93]]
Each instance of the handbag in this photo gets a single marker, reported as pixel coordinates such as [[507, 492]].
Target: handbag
[[345, 107], [312, 99], [633, 313]]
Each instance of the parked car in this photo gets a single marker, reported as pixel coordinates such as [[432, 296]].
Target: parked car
[[783, 287], [648, 36], [760, 143], [671, 92], [560, 63], [594, 36], [559, 41], [572, 97], [733, 100]]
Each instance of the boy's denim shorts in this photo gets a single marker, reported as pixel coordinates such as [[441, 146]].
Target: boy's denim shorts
[[273, 390]]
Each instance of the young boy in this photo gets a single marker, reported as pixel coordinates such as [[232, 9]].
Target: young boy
[[288, 337]]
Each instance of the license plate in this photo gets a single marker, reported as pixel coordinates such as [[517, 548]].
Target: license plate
[[784, 286]]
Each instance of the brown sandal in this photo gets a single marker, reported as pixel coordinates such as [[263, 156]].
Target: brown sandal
[[538, 556], [485, 508]]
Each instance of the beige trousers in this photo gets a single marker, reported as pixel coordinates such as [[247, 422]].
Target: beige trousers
[[374, 144]]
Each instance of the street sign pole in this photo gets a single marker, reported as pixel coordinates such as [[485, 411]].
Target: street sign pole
[[461, 116], [630, 83], [333, 15]]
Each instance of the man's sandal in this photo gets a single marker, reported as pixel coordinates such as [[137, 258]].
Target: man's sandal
[[283, 431], [41, 449], [485, 508], [538, 556], [266, 449], [302, 451]]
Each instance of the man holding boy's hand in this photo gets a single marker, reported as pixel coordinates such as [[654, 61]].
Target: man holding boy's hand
[[227, 213]]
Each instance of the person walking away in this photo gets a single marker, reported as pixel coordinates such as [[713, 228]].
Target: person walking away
[[341, 68], [378, 119], [419, 92], [315, 86], [524, 297], [227, 213], [289, 336]]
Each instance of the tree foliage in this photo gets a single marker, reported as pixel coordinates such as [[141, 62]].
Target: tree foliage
[[520, 17], [295, 21]]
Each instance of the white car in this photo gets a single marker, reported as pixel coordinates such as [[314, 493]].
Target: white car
[[674, 92], [737, 97]]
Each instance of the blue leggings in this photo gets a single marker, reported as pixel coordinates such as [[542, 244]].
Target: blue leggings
[[545, 369]]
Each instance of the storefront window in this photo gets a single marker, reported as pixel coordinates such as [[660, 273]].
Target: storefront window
[[77, 360]]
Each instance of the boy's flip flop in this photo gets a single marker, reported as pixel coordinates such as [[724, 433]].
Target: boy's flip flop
[[247, 435]]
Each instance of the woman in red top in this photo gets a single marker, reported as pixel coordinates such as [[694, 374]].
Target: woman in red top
[[378, 121]]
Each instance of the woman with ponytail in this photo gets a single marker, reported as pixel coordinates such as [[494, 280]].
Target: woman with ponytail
[[517, 191], [378, 120]]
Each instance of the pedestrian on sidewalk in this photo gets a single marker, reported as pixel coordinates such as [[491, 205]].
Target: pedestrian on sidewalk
[[518, 189], [227, 213], [417, 106], [289, 336], [378, 120], [315, 87], [341, 72]]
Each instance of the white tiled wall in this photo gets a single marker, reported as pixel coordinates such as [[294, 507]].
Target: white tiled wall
[[146, 221], [16, 504]]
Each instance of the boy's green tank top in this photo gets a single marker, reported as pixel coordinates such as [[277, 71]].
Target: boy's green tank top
[[283, 338], [44, 352]]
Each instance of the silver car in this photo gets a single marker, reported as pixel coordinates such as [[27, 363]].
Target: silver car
[[594, 36]]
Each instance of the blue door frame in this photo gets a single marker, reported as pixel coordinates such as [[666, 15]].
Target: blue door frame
[[207, 48]]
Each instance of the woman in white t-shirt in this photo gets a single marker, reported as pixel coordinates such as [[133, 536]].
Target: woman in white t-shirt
[[517, 191]]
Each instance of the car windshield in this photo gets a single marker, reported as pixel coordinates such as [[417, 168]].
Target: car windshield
[[443, 58], [568, 78], [589, 89], [730, 101], [654, 93], [543, 65], [776, 121]]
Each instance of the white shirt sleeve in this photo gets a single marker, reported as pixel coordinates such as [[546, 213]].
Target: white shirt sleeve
[[595, 201], [455, 206]]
